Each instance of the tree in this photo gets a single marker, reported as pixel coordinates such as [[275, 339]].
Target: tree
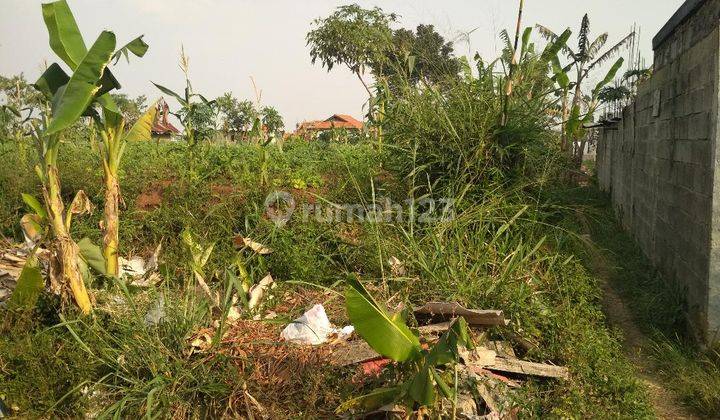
[[613, 94], [352, 36], [72, 98], [131, 109], [433, 58], [588, 57], [236, 116], [272, 120], [202, 120], [21, 103]]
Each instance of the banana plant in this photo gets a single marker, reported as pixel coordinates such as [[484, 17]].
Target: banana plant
[[389, 335], [583, 110], [112, 146], [70, 97], [587, 57]]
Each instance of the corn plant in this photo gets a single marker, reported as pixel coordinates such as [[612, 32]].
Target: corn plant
[[389, 336], [189, 107]]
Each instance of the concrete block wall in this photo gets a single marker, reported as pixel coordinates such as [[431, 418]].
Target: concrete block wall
[[662, 167]]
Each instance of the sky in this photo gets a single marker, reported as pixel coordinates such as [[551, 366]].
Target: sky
[[229, 42]]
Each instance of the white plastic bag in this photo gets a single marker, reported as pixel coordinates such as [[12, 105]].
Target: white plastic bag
[[313, 327]]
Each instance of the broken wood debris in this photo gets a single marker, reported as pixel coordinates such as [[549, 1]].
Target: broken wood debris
[[502, 348], [529, 368], [352, 353], [434, 328], [474, 317]]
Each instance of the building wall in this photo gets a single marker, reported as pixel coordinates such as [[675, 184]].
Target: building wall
[[659, 164]]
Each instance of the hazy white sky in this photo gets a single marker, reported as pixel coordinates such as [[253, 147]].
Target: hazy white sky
[[229, 41]]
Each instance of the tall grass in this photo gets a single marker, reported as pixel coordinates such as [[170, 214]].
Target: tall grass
[[508, 245]]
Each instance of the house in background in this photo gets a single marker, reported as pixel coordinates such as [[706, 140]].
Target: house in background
[[312, 129], [162, 128]]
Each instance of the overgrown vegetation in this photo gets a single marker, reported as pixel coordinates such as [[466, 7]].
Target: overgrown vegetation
[[484, 221]]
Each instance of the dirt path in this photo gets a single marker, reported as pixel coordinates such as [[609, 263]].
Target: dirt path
[[636, 344]]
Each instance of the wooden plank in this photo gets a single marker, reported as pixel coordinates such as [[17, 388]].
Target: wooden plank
[[479, 356], [453, 310], [529, 368], [502, 348], [352, 353], [434, 328]]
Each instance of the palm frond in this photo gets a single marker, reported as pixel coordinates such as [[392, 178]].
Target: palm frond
[[612, 51], [640, 73], [597, 45], [546, 33], [583, 38], [505, 36]]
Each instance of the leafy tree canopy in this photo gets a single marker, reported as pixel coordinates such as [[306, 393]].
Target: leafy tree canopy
[[434, 59], [202, 120], [130, 108], [235, 115], [356, 37], [272, 120]]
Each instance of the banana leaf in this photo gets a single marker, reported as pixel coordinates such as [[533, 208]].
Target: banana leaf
[[387, 335], [137, 46], [609, 76], [72, 100], [92, 255], [422, 387], [51, 80], [65, 37], [142, 129], [34, 204]]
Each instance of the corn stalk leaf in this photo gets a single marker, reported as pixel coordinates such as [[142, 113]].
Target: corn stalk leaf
[[167, 91], [65, 37], [388, 336], [72, 100], [29, 286]]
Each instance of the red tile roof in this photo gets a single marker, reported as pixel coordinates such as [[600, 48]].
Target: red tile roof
[[162, 126], [336, 121]]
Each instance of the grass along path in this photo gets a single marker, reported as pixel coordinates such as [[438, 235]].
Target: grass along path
[[647, 311], [666, 403]]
